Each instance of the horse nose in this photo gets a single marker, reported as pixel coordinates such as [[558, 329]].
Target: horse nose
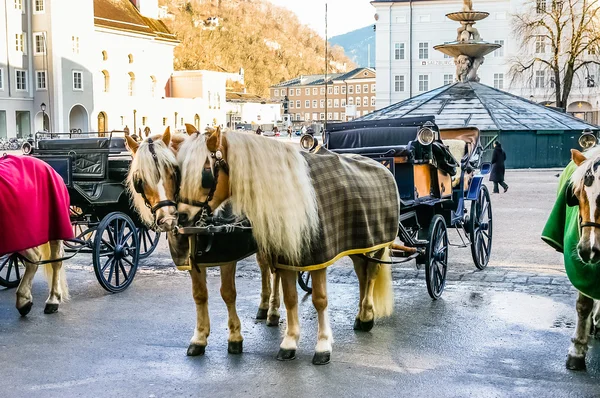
[[595, 257]]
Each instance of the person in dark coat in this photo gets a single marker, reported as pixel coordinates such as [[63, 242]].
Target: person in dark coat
[[498, 169]]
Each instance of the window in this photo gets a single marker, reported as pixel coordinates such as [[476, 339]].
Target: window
[[75, 44], [329, 115], [448, 79], [21, 78], [314, 116], [425, 18], [315, 104], [144, 120], [329, 103], [1, 79], [398, 83], [365, 101], [322, 91], [590, 81], [130, 60], [499, 80], [307, 116], [336, 103], [297, 103], [350, 101], [539, 78], [540, 44], [336, 90], [164, 121], [446, 55], [373, 87], [423, 83], [357, 101], [307, 91], [40, 6], [398, 51], [291, 92], [322, 103], [131, 86], [19, 5], [106, 81], [298, 116], [336, 116], [322, 116], [39, 43], [315, 91], [401, 18], [358, 89], [343, 117], [152, 86], [557, 5], [329, 90], [20, 42], [350, 89], [104, 55], [365, 88], [283, 92], [499, 52], [540, 6], [276, 93], [297, 91], [343, 89], [592, 49], [40, 80], [343, 103], [372, 101], [307, 104], [77, 80], [291, 104], [424, 50]]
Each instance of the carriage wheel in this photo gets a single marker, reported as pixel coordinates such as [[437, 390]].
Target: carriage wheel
[[437, 257], [11, 270], [116, 252], [304, 281], [148, 241], [81, 229], [481, 228]]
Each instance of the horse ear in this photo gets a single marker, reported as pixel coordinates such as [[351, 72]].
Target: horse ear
[[213, 141], [166, 138], [577, 157], [167, 130], [132, 144], [190, 129]]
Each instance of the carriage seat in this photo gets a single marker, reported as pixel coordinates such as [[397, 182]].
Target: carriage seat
[[458, 149], [117, 145], [66, 144], [90, 155]]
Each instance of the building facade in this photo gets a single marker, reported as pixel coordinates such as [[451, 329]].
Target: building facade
[[407, 64], [349, 95]]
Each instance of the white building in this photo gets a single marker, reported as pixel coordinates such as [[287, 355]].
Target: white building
[[407, 64], [251, 109]]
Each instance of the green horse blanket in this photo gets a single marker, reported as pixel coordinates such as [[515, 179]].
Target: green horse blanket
[[562, 233]]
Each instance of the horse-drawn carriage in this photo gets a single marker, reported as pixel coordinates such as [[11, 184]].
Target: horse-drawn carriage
[[94, 168]]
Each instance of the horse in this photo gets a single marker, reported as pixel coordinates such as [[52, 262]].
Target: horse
[[255, 173], [573, 228], [35, 200], [153, 181]]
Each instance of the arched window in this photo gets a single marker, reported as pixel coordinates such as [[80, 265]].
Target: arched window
[[153, 86], [130, 57], [218, 101], [106, 81], [131, 85], [197, 121], [104, 55]]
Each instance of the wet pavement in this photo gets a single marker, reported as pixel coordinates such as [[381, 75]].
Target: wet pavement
[[503, 332]]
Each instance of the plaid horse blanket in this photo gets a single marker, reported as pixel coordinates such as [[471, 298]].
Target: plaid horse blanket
[[562, 233], [358, 205], [34, 204]]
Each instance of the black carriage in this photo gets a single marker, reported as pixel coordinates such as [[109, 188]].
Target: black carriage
[[94, 167], [440, 183]]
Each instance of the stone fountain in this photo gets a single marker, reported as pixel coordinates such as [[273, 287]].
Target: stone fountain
[[469, 49]]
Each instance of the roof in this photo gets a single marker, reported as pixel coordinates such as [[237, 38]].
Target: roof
[[245, 97], [315, 80], [477, 105], [123, 15]]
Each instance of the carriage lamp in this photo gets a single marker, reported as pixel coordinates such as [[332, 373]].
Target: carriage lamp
[[587, 139], [308, 142], [425, 136]]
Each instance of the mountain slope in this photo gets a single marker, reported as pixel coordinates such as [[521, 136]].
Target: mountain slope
[[356, 45], [267, 41]]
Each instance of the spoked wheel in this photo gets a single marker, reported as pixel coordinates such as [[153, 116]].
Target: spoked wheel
[[305, 282], [116, 252], [148, 241], [480, 232], [437, 257], [11, 270]]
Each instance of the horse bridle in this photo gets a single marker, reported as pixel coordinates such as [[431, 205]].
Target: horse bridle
[[138, 184], [572, 200]]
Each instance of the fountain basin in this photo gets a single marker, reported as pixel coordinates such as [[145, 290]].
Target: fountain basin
[[471, 49], [467, 16]]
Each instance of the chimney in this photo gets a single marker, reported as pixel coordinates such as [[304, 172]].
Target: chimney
[[148, 8]]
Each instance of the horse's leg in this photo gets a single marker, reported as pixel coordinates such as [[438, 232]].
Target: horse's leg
[[596, 319], [367, 314], [287, 349], [275, 300], [265, 294], [579, 346], [360, 267], [200, 293], [229, 295], [24, 297], [58, 282], [324, 337]]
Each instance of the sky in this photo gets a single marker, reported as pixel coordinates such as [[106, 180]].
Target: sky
[[343, 15]]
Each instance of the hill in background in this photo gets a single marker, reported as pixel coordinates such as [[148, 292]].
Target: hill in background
[[356, 45], [269, 42]]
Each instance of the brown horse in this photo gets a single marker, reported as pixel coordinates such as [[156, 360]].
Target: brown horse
[[255, 173], [154, 183]]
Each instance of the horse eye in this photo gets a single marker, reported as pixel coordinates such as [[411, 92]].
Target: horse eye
[[588, 179]]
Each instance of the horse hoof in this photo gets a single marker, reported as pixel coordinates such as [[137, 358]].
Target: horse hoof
[[321, 358], [286, 355], [195, 350], [357, 324], [24, 310], [367, 326], [575, 363], [273, 320], [235, 347], [50, 308], [261, 315]]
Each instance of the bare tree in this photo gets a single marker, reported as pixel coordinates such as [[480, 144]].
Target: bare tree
[[560, 38]]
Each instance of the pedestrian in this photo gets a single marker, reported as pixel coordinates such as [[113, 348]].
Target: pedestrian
[[289, 131], [259, 131], [498, 169]]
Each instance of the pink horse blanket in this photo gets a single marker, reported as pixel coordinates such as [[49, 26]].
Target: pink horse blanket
[[34, 204]]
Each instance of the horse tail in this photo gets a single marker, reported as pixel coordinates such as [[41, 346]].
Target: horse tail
[[54, 249], [383, 291]]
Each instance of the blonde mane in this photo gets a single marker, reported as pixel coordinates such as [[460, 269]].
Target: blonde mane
[[144, 166], [269, 183], [592, 156]]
